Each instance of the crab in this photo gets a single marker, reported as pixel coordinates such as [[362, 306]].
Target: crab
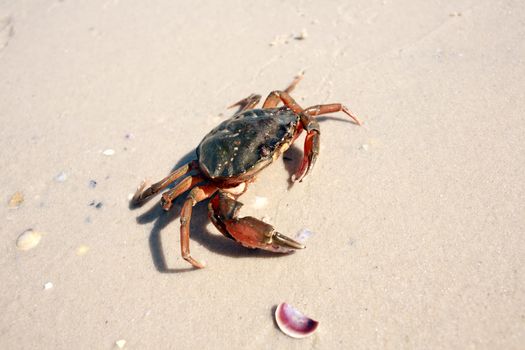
[[229, 158]]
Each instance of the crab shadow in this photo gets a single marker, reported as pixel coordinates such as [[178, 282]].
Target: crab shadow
[[214, 242]]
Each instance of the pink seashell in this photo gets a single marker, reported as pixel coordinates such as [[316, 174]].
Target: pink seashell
[[293, 323]]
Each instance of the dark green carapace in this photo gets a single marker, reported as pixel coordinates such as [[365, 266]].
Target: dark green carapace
[[240, 143]]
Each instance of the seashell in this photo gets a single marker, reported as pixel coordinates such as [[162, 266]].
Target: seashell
[[294, 323], [108, 152], [28, 239]]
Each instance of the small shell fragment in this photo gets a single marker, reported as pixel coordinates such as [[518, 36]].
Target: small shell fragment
[[28, 239], [61, 177], [108, 152], [364, 147], [294, 323], [121, 343], [16, 200], [81, 250], [303, 35], [48, 285], [303, 235]]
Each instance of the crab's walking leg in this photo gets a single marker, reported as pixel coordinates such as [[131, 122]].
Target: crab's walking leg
[[330, 108], [294, 83], [311, 147], [274, 98], [141, 195], [247, 103], [183, 186], [311, 142], [248, 231], [196, 195]]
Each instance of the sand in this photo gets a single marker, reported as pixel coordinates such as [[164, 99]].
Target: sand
[[418, 215]]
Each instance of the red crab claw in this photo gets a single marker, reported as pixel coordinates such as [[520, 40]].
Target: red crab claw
[[248, 231], [254, 233]]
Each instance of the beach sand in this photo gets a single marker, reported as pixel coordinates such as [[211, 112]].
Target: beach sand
[[418, 215]]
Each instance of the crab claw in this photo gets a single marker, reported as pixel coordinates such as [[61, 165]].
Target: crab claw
[[285, 241], [254, 233], [248, 231]]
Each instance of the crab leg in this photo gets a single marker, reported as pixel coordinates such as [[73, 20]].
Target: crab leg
[[311, 142], [197, 194], [248, 231], [330, 108], [311, 147], [183, 186], [275, 97], [247, 103], [142, 195]]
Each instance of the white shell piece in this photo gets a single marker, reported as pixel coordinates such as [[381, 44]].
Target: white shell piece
[[28, 239], [303, 235], [121, 343]]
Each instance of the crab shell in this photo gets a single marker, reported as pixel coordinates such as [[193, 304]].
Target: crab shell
[[246, 143]]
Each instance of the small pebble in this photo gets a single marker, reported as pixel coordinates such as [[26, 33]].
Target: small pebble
[[108, 152], [92, 183], [48, 285], [61, 177], [95, 204], [82, 250], [129, 136], [364, 147], [121, 343], [28, 239], [16, 200]]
